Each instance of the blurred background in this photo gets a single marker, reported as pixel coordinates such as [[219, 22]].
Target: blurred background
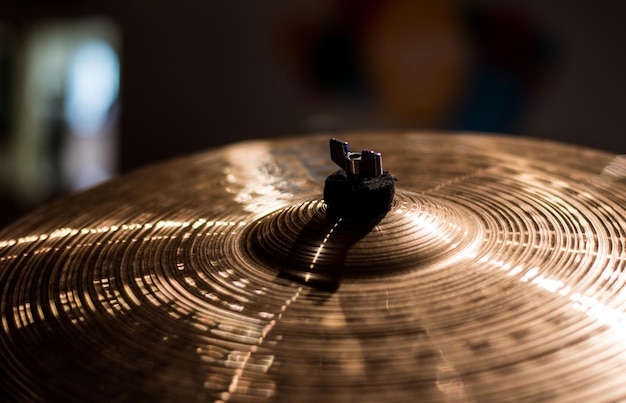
[[90, 89]]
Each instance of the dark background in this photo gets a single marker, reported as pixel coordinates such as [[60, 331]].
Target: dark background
[[198, 74]]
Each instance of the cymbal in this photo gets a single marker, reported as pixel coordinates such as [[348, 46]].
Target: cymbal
[[497, 274]]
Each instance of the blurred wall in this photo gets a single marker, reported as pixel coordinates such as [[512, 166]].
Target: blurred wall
[[197, 74]]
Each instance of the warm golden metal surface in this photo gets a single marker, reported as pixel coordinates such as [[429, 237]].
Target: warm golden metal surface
[[497, 275]]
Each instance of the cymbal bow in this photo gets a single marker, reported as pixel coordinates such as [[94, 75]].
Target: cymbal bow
[[492, 269]]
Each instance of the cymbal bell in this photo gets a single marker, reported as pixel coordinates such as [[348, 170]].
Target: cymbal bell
[[496, 274]]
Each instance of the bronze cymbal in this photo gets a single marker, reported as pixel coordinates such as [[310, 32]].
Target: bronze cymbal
[[497, 274]]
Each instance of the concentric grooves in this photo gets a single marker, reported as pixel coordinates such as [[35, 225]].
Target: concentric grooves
[[418, 231], [498, 274]]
